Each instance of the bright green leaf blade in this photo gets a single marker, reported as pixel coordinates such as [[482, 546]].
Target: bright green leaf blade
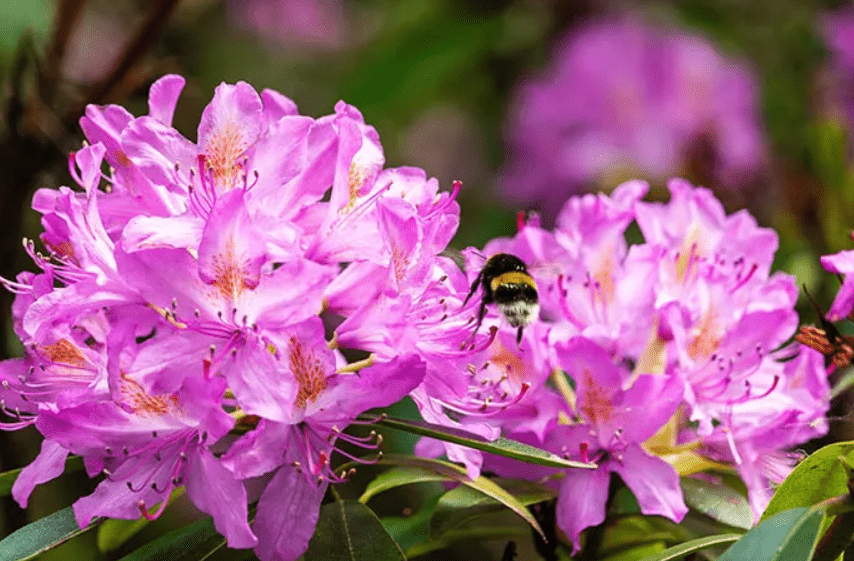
[[113, 533], [624, 503], [41, 535], [397, 477], [482, 484], [462, 504], [718, 502], [179, 544], [820, 476], [7, 479], [842, 385], [628, 532], [637, 552], [788, 535], [683, 549], [414, 529], [501, 533], [501, 447], [350, 531]]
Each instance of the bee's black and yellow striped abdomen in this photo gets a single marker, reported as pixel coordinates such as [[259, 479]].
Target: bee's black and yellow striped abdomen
[[505, 282]]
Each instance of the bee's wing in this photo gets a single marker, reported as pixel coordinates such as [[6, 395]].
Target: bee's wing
[[456, 256]]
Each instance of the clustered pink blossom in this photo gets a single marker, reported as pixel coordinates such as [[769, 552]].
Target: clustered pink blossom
[[186, 327], [654, 360], [623, 98], [187, 292]]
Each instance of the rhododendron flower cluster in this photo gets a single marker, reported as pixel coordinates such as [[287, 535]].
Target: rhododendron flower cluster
[[184, 294], [622, 98], [191, 319], [655, 360]]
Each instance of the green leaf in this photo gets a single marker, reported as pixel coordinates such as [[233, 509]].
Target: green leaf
[[414, 529], [637, 552], [683, 549], [114, 533], [627, 533], [7, 479], [501, 447], [718, 502], [843, 384], [41, 535], [397, 477], [624, 502], [180, 544], [482, 484], [501, 533], [788, 535], [461, 504], [820, 476], [350, 531]]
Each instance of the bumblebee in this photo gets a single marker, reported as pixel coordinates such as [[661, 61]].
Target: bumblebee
[[505, 282]]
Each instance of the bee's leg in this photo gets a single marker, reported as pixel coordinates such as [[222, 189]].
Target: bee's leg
[[480, 315], [519, 335], [474, 286]]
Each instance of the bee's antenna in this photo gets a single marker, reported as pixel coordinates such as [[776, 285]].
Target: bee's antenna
[[477, 252]]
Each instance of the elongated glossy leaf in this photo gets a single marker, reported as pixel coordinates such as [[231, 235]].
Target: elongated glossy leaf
[[397, 477], [842, 385], [821, 476], [501, 447], [786, 536], [481, 484], [628, 532], [461, 504], [502, 533], [414, 529], [178, 544], [113, 533], [7, 479], [195, 542], [636, 552], [41, 535], [350, 531], [718, 502], [680, 551]]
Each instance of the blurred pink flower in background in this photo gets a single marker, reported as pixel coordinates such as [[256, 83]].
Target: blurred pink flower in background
[[622, 97], [308, 23], [838, 31]]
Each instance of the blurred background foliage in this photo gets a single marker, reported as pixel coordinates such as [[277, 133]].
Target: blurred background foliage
[[438, 79]]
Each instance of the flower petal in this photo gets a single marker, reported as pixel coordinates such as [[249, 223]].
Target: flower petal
[[49, 464], [287, 515], [215, 491], [653, 481]]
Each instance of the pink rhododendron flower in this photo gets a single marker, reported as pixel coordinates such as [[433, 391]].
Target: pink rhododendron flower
[[837, 28], [666, 352], [184, 294], [621, 96]]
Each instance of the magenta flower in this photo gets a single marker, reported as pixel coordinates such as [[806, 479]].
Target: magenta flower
[[841, 263], [610, 425], [694, 313], [186, 289], [624, 95], [838, 31], [318, 24]]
